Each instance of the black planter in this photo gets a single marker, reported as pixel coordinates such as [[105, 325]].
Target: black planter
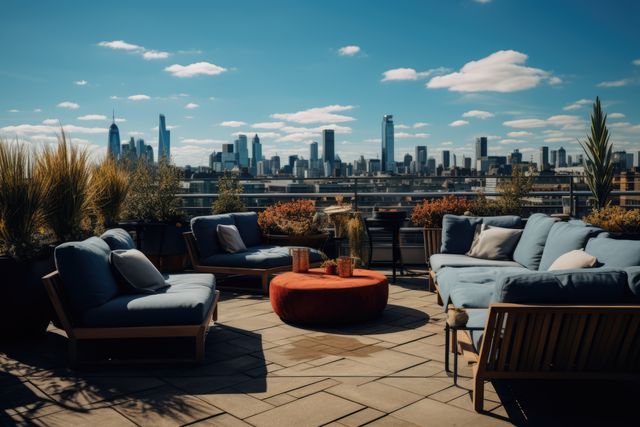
[[164, 244], [25, 308], [624, 236]]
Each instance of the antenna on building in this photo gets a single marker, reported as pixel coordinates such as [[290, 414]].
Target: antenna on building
[[114, 115]]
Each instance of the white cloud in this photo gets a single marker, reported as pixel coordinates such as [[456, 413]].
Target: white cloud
[[93, 117], [13, 110], [616, 116], [155, 54], [202, 141], [349, 50], [81, 82], [525, 123], [191, 106], [120, 45], [564, 121], [317, 115], [136, 133], [233, 123], [554, 80], [139, 97], [50, 122], [407, 135], [120, 120], [577, 105], [195, 69], [268, 125], [458, 123], [502, 71], [478, 114], [401, 127], [418, 125], [615, 83], [483, 1], [262, 135], [169, 127], [447, 143], [636, 61], [519, 134], [37, 110], [69, 105], [317, 130], [44, 129], [559, 139], [410, 74], [508, 141], [114, 97]]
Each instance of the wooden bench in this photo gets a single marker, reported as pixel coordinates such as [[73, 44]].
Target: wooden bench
[[53, 285]]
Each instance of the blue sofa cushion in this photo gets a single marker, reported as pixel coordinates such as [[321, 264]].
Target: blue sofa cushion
[[563, 238], [262, 257], [204, 231], [439, 261], [581, 286], [86, 275], [614, 253], [529, 250], [117, 238], [457, 233], [503, 221], [476, 284], [186, 302], [633, 280], [477, 319], [247, 224]]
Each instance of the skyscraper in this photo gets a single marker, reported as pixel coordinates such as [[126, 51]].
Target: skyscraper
[[313, 155], [446, 159], [544, 158], [113, 149], [553, 158], [481, 148], [388, 162], [242, 151], [256, 151], [149, 154], [140, 148], [421, 158], [164, 140], [516, 157], [328, 147], [562, 157], [275, 164]]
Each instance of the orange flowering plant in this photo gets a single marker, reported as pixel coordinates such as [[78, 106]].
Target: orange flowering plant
[[296, 218], [430, 212]]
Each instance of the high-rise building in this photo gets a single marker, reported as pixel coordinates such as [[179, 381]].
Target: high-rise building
[[544, 158], [131, 150], [446, 159], [431, 165], [466, 162], [292, 160], [256, 150], [516, 157], [313, 155], [242, 151], [553, 158], [373, 166], [562, 158], [140, 148], [421, 158], [481, 148], [228, 157], [388, 163], [113, 149], [149, 154], [164, 140], [408, 158], [328, 147], [275, 164]]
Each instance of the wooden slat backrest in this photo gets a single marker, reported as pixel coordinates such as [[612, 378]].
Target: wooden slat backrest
[[535, 338]]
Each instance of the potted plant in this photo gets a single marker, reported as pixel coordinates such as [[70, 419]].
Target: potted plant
[[25, 309], [619, 222], [292, 223], [329, 266], [429, 214], [153, 203], [228, 201]]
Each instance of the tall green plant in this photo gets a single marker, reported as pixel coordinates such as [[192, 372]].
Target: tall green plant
[[21, 196], [168, 203], [152, 195], [65, 172], [229, 190], [514, 191], [598, 149], [109, 188]]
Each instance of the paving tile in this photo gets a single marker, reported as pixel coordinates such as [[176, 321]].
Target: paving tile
[[420, 386], [313, 388], [106, 417], [280, 399], [360, 418], [376, 395], [272, 386], [304, 412], [391, 421], [222, 420], [431, 412], [237, 404]]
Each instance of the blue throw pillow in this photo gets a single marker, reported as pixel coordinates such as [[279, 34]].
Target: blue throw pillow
[[565, 237], [614, 252], [87, 279], [503, 221], [204, 230], [457, 233], [247, 224], [118, 239], [531, 244]]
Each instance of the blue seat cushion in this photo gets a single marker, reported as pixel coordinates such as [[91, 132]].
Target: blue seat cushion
[[472, 286], [117, 238], [503, 221], [85, 272], [477, 319], [186, 302], [579, 286], [529, 250], [247, 224], [204, 231], [438, 261], [457, 233], [261, 257], [614, 253], [633, 279], [565, 237]]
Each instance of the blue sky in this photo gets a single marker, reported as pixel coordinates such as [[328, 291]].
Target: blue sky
[[523, 73]]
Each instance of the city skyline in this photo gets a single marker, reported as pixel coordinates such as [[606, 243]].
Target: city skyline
[[503, 82]]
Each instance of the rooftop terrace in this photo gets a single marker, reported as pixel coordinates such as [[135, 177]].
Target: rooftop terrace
[[260, 371]]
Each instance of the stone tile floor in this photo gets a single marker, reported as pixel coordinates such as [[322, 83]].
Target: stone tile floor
[[262, 372]]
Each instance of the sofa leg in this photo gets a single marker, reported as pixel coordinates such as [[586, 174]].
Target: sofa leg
[[200, 347], [478, 393], [265, 283], [214, 316], [432, 286]]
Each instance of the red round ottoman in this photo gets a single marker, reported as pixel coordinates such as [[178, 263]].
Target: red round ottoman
[[315, 298]]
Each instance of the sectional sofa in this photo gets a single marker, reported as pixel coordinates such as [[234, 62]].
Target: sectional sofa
[[207, 255], [528, 322], [91, 303]]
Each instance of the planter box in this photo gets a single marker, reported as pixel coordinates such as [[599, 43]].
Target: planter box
[[315, 241]]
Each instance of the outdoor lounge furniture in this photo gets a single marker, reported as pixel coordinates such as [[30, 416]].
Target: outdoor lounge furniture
[[315, 298], [207, 256], [528, 322], [90, 304]]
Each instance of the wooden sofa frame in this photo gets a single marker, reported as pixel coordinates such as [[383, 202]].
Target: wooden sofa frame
[[557, 342], [52, 283], [264, 273]]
